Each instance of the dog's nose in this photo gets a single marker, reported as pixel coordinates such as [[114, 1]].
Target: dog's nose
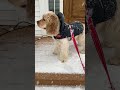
[[37, 22]]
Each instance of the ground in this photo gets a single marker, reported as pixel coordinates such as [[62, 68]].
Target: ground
[[95, 75], [59, 88], [47, 62]]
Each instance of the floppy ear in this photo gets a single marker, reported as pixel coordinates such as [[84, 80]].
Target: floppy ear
[[52, 27]]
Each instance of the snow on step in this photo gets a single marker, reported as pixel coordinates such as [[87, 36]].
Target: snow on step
[[47, 62]]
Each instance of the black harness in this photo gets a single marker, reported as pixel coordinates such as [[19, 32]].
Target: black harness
[[64, 31]]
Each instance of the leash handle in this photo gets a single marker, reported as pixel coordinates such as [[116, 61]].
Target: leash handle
[[76, 47], [98, 48]]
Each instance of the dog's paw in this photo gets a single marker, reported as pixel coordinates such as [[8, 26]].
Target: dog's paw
[[82, 51], [114, 61], [63, 58], [55, 53], [63, 61]]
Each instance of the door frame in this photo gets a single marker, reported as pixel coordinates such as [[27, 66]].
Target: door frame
[[67, 11]]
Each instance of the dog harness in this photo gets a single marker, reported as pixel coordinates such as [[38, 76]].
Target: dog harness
[[64, 31]]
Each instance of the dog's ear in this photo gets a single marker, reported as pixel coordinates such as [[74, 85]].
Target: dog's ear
[[52, 27]]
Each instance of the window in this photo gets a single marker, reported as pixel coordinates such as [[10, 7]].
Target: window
[[54, 5]]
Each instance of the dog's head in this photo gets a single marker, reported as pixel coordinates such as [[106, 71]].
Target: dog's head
[[50, 22]]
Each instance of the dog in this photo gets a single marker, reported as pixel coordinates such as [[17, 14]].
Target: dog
[[108, 27], [55, 26]]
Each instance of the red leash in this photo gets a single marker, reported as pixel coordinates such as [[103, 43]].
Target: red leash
[[76, 47], [99, 48]]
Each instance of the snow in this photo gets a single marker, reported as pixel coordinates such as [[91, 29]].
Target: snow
[[47, 62], [95, 74], [59, 88]]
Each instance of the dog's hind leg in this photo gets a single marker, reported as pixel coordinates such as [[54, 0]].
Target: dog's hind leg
[[57, 47], [81, 42]]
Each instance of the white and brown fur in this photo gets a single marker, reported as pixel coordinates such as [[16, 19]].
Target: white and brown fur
[[50, 22]]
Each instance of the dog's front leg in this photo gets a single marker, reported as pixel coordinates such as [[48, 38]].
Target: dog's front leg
[[57, 46], [64, 50]]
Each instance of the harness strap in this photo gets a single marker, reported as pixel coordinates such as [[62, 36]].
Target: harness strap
[[76, 47], [99, 48]]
